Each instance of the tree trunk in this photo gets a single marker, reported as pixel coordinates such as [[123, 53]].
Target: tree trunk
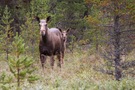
[[97, 44], [7, 53], [18, 77], [117, 48]]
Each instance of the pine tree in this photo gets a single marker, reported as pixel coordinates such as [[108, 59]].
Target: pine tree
[[21, 65], [40, 8], [116, 20], [6, 31], [5, 81], [30, 33]]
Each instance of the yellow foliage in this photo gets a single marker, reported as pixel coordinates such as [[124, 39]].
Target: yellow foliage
[[83, 42], [100, 2], [105, 3], [88, 1], [93, 20], [92, 1]]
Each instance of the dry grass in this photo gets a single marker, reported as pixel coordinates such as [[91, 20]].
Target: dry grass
[[76, 74]]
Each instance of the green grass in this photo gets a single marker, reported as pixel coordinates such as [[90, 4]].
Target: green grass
[[76, 74]]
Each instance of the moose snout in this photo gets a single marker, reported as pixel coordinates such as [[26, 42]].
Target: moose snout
[[42, 31], [64, 38]]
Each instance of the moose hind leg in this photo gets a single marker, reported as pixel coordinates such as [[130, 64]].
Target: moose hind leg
[[52, 61]]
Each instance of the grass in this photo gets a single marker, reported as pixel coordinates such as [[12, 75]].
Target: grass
[[76, 74]]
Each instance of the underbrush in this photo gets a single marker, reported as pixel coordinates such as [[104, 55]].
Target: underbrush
[[77, 73]]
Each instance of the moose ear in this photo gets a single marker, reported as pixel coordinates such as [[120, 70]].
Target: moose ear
[[59, 29], [48, 18], [68, 30], [37, 18]]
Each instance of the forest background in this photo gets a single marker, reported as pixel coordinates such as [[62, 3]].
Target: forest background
[[100, 46]]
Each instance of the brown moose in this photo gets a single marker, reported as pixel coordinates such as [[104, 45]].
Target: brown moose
[[64, 36], [51, 43]]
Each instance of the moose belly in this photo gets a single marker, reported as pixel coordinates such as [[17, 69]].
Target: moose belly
[[47, 53], [50, 52]]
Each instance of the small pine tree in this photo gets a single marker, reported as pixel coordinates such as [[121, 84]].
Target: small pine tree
[[6, 31], [20, 65], [4, 81]]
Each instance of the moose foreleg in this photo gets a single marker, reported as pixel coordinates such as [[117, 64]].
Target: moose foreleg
[[60, 59], [42, 59]]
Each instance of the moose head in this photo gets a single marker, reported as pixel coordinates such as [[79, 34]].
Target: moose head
[[64, 34], [43, 24]]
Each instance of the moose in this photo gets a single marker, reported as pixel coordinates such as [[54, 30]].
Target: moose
[[64, 37], [51, 42]]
